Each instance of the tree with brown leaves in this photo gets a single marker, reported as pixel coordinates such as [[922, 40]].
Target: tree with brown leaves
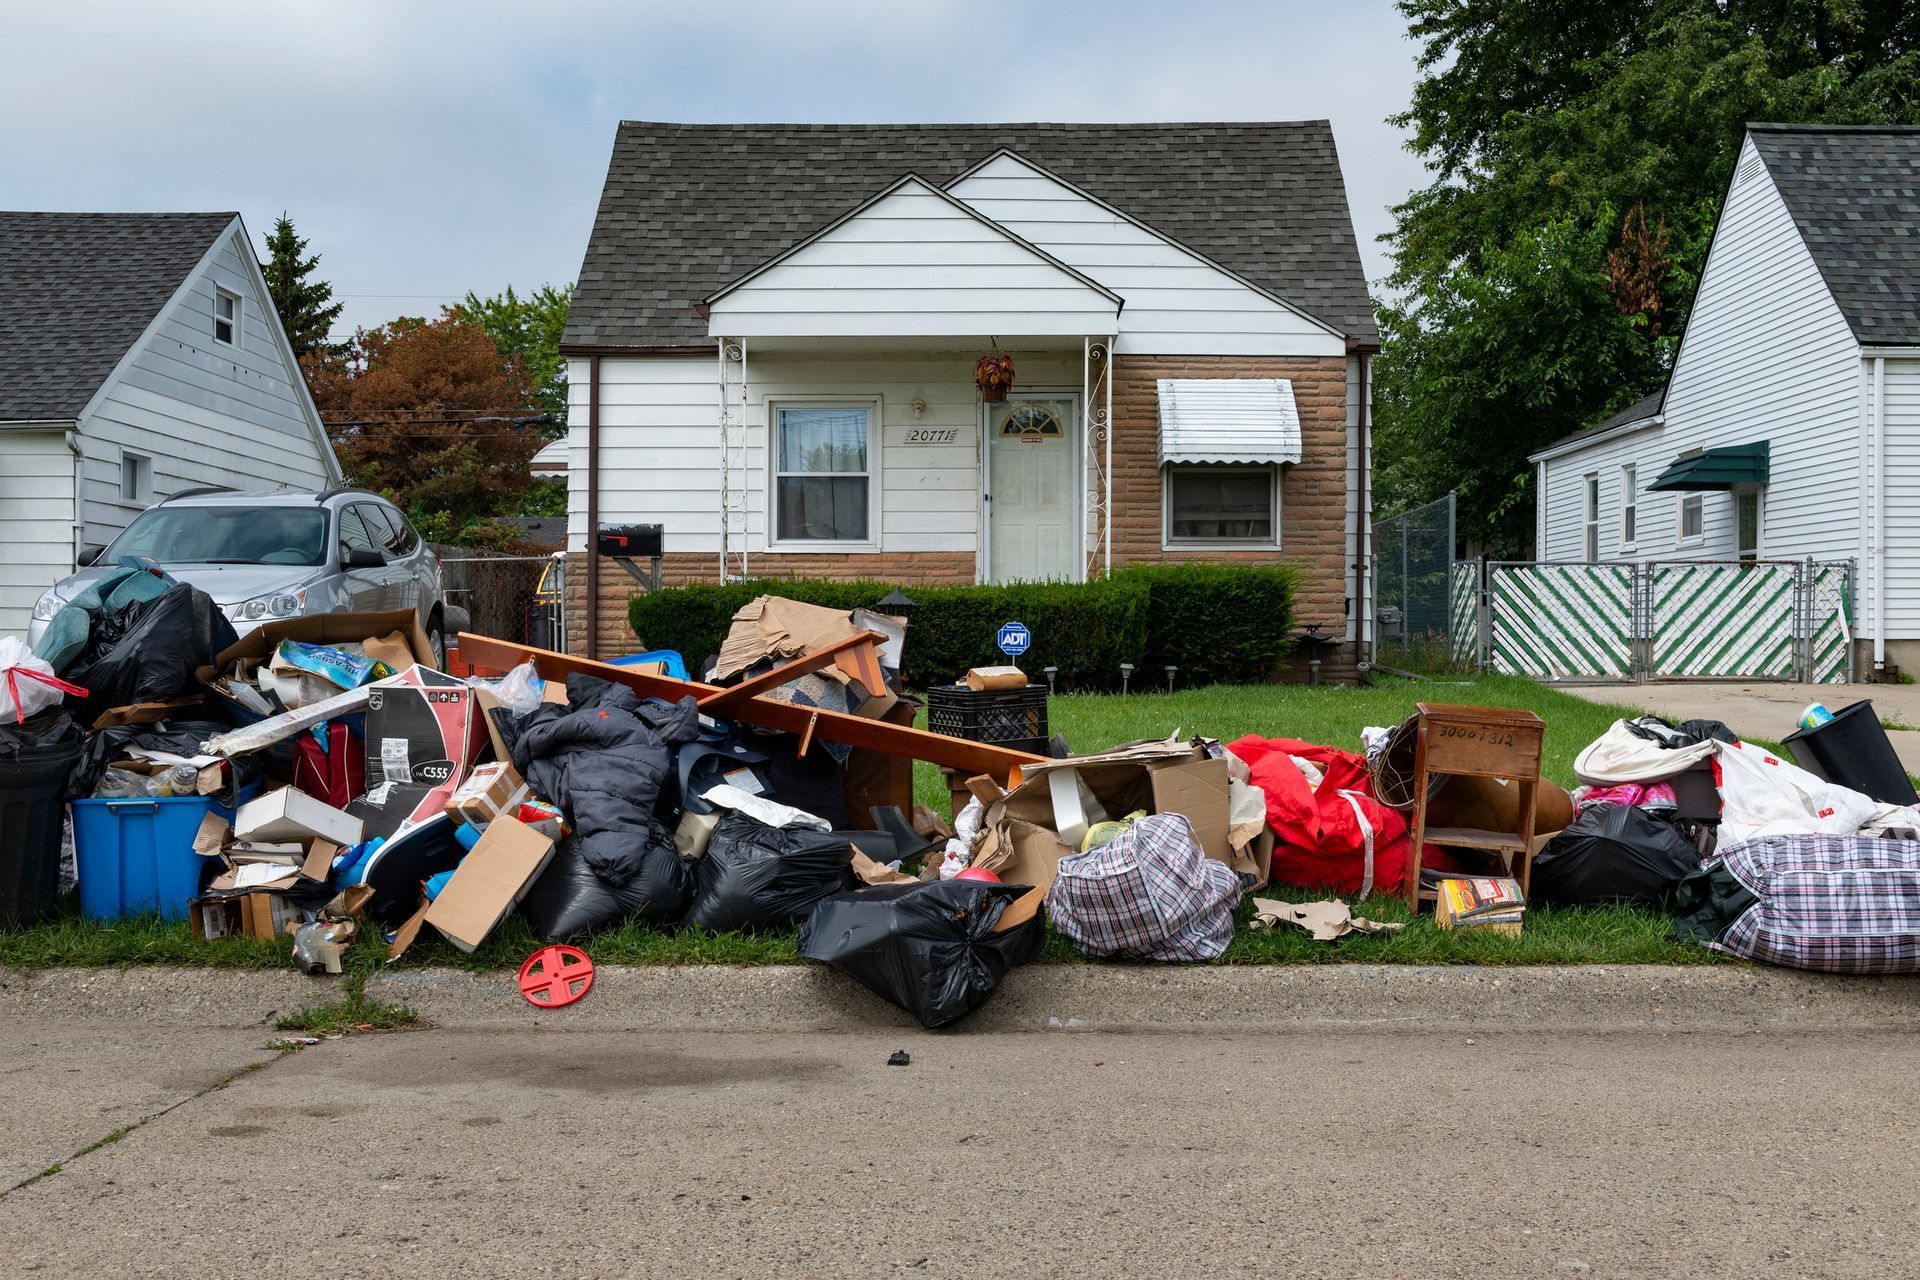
[[429, 413]]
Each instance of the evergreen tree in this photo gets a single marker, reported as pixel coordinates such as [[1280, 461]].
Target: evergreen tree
[[301, 302]]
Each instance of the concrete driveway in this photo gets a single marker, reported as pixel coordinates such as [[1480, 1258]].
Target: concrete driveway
[[1766, 711]]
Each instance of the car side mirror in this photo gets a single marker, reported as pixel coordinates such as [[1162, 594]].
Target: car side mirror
[[88, 554], [365, 558]]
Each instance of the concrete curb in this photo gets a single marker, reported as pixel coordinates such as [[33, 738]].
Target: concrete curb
[[1037, 998]]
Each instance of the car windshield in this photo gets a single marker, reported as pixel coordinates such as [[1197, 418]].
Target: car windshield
[[225, 535]]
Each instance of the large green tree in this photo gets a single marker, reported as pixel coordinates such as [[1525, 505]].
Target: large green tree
[[306, 306], [527, 330], [1578, 154]]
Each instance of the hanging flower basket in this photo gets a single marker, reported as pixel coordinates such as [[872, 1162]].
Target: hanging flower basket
[[994, 376]]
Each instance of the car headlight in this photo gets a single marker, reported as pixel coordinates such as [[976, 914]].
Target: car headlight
[[46, 606], [283, 605]]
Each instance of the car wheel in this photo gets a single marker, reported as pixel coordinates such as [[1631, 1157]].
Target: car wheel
[[438, 640]]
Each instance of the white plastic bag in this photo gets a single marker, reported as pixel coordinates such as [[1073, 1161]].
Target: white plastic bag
[[518, 690], [25, 687]]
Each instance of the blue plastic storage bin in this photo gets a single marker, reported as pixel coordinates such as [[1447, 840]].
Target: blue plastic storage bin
[[136, 856]]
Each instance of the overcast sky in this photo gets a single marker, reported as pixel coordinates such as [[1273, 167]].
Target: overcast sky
[[428, 147]]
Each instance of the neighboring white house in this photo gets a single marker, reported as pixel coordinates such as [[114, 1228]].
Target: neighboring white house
[[1790, 426], [773, 344], [140, 355]]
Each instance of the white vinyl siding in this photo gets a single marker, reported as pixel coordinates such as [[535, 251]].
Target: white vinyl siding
[[203, 411], [1177, 303], [1903, 496], [1563, 502], [36, 521], [913, 264], [660, 454]]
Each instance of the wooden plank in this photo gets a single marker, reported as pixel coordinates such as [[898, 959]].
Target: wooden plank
[[833, 726], [720, 704]]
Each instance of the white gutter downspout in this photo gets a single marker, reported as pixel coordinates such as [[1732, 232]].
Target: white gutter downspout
[[79, 478], [1879, 513]]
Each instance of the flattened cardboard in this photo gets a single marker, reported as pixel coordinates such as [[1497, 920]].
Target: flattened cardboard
[[287, 814], [1198, 789], [490, 881], [555, 692], [319, 863], [144, 712], [409, 929]]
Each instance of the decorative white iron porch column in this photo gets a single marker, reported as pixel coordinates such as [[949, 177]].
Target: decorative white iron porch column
[[735, 474], [1096, 410]]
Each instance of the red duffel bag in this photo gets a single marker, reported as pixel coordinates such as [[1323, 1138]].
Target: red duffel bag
[[1335, 835]]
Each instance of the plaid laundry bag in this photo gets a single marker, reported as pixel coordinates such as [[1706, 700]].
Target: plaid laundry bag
[[1151, 894], [1842, 904]]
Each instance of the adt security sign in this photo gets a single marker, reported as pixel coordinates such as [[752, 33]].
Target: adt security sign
[[1014, 638]]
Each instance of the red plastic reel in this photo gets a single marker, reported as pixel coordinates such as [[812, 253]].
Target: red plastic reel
[[554, 977]]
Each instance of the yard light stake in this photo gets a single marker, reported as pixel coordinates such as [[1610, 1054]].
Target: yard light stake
[[1126, 676], [1050, 673], [1170, 670]]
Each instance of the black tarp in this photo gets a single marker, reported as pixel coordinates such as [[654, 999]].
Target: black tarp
[[1613, 853]]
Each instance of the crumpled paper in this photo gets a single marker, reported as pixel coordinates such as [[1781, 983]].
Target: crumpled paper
[[1327, 921]]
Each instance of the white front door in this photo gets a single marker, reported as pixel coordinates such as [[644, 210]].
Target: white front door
[[1033, 490]]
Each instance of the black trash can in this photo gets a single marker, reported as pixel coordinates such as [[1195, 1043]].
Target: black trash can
[[33, 806], [1852, 750]]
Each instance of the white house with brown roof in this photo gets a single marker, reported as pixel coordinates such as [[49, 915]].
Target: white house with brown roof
[[772, 352], [1790, 426], [140, 355]]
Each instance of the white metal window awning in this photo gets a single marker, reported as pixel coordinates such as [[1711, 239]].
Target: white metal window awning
[[1228, 420]]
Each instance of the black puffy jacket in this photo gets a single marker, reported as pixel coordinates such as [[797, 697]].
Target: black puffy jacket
[[603, 765]]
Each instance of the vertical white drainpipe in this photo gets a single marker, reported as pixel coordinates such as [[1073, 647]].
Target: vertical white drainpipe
[[1879, 513], [1106, 509], [79, 493]]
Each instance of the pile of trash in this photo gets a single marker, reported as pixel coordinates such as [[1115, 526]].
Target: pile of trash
[[321, 781]]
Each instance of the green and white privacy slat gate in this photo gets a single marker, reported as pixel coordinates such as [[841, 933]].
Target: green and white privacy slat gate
[[1723, 620], [1829, 624], [1562, 621], [1463, 612]]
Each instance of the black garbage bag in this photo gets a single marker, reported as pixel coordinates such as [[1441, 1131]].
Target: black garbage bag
[[757, 877], [49, 732], [929, 948], [180, 737], [570, 898], [1614, 853], [150, 650]]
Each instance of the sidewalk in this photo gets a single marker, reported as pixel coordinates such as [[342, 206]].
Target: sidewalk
[[1765, 711]]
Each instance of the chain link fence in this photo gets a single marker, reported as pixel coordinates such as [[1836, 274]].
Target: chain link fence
[[1413, 585], [515, 598]]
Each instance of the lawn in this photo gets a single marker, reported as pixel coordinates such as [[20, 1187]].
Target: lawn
[[1090, 722]]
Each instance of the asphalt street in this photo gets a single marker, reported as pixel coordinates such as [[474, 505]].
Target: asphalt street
[[597, 1153]]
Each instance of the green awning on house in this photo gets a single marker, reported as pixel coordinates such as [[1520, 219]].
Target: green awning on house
[[1723, 468]]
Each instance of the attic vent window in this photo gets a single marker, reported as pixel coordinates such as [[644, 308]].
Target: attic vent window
[[226, 316]]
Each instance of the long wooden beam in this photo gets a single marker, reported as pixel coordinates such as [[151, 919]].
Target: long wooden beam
[[784, 717]]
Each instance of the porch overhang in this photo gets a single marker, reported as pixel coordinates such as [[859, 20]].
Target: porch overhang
[[1727, 467]]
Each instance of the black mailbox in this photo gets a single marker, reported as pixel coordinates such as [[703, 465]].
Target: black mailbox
[[631, 541]]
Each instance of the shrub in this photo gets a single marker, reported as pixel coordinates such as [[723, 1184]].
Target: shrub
[[1218, 623], [1215, 622]]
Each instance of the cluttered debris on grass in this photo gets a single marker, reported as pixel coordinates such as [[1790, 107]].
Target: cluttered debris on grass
[[319, 781]]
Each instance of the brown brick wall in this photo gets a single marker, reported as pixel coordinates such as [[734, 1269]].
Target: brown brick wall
[[1313, 492]]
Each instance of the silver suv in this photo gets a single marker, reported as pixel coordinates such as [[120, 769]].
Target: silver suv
[[267, 556]]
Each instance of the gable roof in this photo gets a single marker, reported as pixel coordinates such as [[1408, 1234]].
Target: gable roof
[[77, 290], [1632, 418], [687, 209], [1854, 193]]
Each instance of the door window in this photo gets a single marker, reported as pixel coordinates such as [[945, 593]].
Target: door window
[[353, 531], [822, 473]]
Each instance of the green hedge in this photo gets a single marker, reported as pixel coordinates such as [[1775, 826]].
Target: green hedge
[[1217, 623]]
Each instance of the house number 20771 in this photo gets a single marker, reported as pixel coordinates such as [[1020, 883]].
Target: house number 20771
[[932, 435]]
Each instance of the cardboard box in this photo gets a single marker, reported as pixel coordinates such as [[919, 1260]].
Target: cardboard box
[[288, 814], [258, 646], [490, 881], [491, 790], [424, 730], [250, 913]]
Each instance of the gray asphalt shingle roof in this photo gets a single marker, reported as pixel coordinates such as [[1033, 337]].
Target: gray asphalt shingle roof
[[1854, 192], [1641, 410], [688, 208], [76, 290]]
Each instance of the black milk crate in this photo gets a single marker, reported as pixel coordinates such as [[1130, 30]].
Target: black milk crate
[[1011, 718]]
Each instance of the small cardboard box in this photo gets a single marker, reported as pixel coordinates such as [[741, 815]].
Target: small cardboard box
[[288, 814], [490, 881], [259, 645], [251, 913], [491, 790]]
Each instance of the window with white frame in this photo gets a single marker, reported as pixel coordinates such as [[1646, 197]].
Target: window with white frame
[[1692, 515], [1629, 505], [1590, 539], [136, 477], [1223, 504], [824, 472], [226, 316]]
